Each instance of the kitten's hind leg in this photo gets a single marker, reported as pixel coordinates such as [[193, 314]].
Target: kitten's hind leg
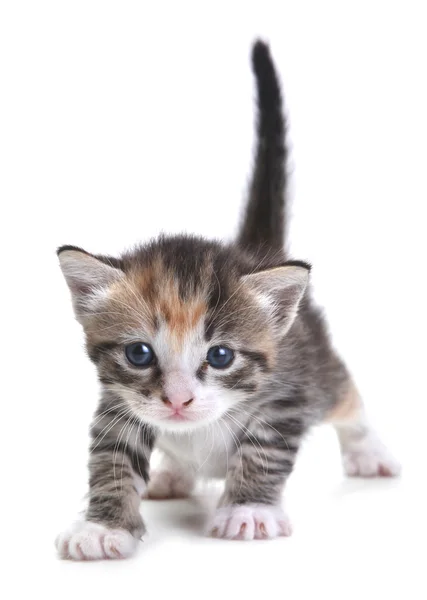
[[170, 480], [363, 453]]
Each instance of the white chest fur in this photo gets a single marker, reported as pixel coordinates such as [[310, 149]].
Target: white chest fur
[[206, 451]]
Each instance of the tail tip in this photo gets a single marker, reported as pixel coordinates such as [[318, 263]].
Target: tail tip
[[260, 55]]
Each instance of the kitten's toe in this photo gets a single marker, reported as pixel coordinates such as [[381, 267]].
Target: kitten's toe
[[166, 484], [93, 541], [249, 522], [370, 458]]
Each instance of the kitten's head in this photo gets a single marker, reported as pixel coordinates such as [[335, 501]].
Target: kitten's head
[[182, 329]]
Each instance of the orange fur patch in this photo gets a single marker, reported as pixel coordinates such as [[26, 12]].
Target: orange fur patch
[[348, 407], [153, 293], [180, 316]]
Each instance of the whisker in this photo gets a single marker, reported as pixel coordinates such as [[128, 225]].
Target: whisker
[[250, 435], [210, 452], [239, 450], [116, 450], [262, 423], [226, 448], [131, 425], [108, 428]]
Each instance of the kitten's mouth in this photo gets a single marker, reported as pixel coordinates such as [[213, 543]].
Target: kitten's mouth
[[181, 421], [177, 417], [180, 417]]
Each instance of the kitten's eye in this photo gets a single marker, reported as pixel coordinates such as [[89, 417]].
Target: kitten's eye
[[220, 357], [140, 354]]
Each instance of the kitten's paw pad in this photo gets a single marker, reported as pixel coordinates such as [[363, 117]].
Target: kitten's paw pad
[[165, 485], [92, 541], [249, 522], [371, 459]]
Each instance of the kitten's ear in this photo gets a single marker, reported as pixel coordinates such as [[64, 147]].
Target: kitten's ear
[[86, 276], [280, 290]]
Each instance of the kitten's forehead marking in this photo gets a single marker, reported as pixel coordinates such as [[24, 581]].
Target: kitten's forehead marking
[[181, 317], [153, 294]]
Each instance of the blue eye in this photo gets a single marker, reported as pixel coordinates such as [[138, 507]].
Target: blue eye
[[140, 354], [220, 357]]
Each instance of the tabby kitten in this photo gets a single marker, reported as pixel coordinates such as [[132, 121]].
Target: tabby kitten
[[215, 355]]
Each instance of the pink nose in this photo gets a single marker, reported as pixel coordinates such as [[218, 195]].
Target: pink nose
[[177, 401]]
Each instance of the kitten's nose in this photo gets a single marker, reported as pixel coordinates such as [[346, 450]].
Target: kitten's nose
[[177, 401]]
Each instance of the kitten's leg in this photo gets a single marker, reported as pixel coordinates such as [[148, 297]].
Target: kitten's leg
[[170, 480], [113, 525], [363, 453], [250, 507]]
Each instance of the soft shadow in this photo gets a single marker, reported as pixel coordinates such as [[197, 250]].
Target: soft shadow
[[358, 485], [190, 514]]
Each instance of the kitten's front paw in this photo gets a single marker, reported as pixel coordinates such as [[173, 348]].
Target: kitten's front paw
[[249, 522], [166, 484], [370, 458], [92, 541]]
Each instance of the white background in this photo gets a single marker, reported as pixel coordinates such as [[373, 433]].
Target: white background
[[121, 119]]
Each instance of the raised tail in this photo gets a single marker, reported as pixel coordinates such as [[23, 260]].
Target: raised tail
[[263, 227]]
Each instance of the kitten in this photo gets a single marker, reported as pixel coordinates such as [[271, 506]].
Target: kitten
[[215, 355]]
